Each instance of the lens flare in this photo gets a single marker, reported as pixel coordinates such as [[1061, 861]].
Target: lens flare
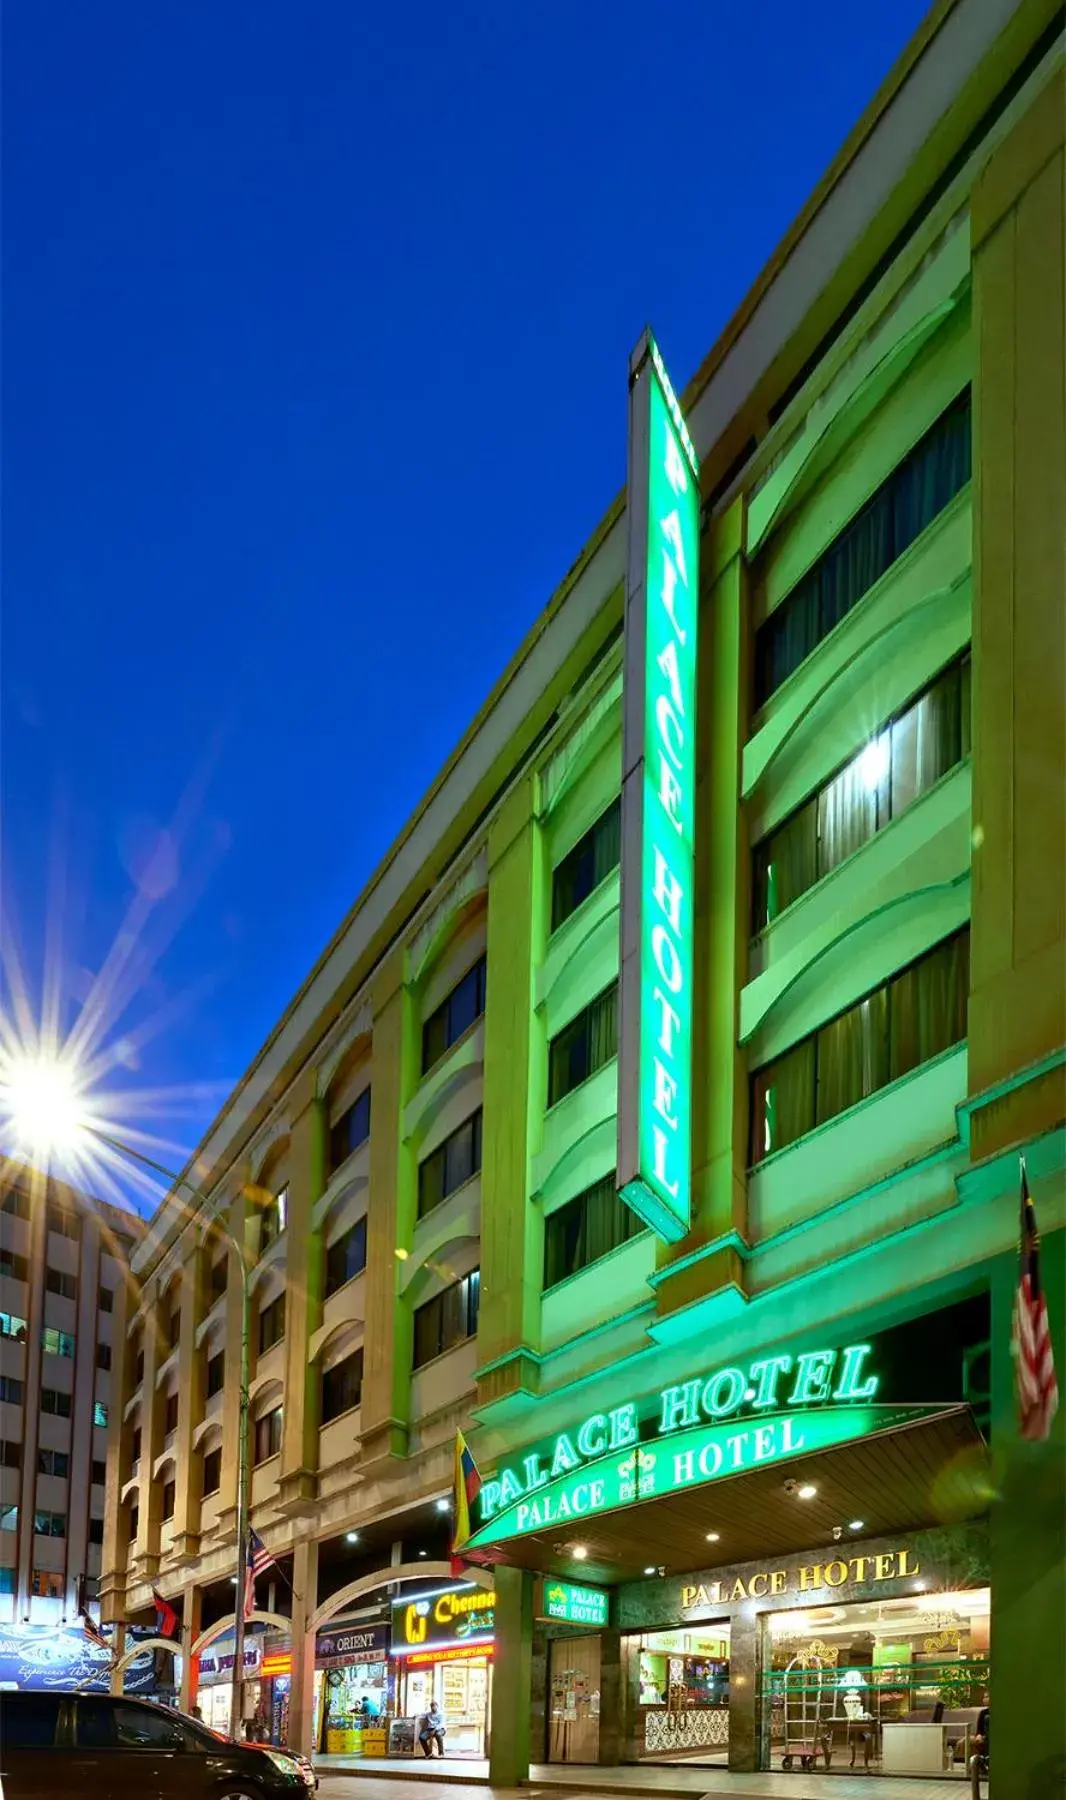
[[43, 1101]]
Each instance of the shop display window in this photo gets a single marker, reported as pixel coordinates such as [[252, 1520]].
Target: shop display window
[[682, 1683]]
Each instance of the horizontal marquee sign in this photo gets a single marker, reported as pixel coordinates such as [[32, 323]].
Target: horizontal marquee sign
[[443, 1621], [353, 1643], [802, 1578], [573, 1604]]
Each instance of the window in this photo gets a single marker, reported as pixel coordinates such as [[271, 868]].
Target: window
[[448, 1319], [272, 1324], [138, 1366], [57, 1281], [31, 1721], [174, 1329], [450, 1164], [100, 1414], [11, 1390], [104, 1724], [96, 1531], [169, 1498], [212, 1471], [350, 1130], [268, 1435], [135, 1522], [53, 1462], [50, 1524], [453, 1016], [15, 1204], [13, 1327], [98, 1472], [586, 1228], [105, 1299], [55, 1342], [346, 1258], [52, 1401], [10, 1453], [929, 737], [9, 1518], [216, 1373], [219, 1278], [342, 1386], [64, 1224], [14, 1265], [103, 1356], [587, 864], [894, 1029], [272, 1223], [7, 1583], [46, 1584], [583, 1046], [170, 1415], [909, 500], [135, 1445]]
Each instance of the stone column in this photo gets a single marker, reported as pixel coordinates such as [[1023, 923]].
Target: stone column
[[186, 1538], [304, 1601], [390, 1221], [118, 1642], [191, 1614], [231, 1397], [304, 1260], [149, 1497], [744, 1677], [509, 1735], [612, 1699], [116, 1545]]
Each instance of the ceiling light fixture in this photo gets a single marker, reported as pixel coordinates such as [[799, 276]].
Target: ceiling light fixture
[[806, 1491], [351, 1537], [650, 1570], [444, 1506], [856, 1524], [714, 1537], [578, 1552]]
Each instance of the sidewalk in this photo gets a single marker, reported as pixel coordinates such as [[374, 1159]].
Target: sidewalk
[[679, 1783]]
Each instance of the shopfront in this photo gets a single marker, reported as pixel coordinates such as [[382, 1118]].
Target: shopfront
[[442, 1645], [351, 1699], [215, 1689]]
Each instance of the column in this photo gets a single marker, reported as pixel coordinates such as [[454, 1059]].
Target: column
[[512, 1231], [304, 1259], [189, 1483], [191, 1616], [231, 1399], [116, 1545], [31, 1412], [390, 1221], [304, 1602], [744, 1675], [712, 1252], [149, 1496], [118, 1643], [509, 1735], [612, 1699]]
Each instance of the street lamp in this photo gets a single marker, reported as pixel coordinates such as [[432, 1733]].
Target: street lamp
[[46, 1104]]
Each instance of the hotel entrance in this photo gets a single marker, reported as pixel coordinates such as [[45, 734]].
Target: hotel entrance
[[681, 1708]]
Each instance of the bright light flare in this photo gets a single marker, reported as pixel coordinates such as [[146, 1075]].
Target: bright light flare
[[43, 1100]]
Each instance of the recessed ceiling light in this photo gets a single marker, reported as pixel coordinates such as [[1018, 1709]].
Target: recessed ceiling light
[[650, 1570], [714, 1537], [421, 1553], [806, 1491], [578, 1552], [351, 1537], [233, 1581], [856, 1524], [444, 1506]]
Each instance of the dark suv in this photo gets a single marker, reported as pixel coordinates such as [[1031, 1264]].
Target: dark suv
[[70, 1746]]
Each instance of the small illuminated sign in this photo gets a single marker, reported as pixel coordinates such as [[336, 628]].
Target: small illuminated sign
[[573, 1604], [658, 803], [443, 1621]]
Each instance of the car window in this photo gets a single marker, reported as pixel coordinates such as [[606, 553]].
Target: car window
[[144, 1728], [96, 1724], [29, 1721]]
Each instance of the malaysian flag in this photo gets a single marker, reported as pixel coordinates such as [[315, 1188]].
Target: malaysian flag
[[1034, 1364], [95, 1635], [259, 1560]]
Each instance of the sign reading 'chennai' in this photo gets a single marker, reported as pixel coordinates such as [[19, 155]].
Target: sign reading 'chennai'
[[658, 803]]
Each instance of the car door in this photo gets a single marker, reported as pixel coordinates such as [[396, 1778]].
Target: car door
[[139, 1750], [35, 1753]]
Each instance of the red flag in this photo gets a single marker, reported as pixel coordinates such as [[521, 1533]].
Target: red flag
[[259, 1560], [166, 1619], [1034, 1363]]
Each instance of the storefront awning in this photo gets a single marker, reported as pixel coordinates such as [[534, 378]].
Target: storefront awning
[[928, 1473]]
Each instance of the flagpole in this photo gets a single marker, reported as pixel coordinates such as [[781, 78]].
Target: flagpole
[[242, 1513]]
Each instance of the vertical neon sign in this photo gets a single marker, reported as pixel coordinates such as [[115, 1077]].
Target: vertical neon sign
[[658, 803]]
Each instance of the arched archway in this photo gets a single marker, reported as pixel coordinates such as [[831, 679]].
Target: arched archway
[[368, 1584], [157, 1643], [221, 1626]]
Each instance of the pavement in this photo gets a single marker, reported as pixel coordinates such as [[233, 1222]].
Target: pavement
[[437, 1782]]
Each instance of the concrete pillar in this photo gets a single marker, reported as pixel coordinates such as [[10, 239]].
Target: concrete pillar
[[304, 1263], [509, 1735], [118, 1641], [149, 1498], [191, 1616], [231, 1396], [512, 1232], [612, 1697], [185, 1540], [744, 1677], [390, 1222], [304, 1601], [116, 1545]]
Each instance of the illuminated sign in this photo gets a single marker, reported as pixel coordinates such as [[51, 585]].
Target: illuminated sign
[[276, 1662], [353, 1643], [573, 1605], [658, 803], [803, 1578], [443, 1621], [458, 1653]]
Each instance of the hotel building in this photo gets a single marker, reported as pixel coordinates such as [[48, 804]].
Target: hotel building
[[774, 1438]]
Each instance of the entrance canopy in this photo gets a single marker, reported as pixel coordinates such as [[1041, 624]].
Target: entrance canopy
[[933, 1471]]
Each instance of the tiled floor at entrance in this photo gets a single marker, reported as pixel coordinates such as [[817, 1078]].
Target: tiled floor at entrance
[[452, 1773]]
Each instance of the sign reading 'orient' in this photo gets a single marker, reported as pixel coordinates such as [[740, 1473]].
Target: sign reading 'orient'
[[658, 803]]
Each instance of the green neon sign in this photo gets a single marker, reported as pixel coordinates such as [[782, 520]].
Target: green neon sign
[[574, 1605], [658, 804]]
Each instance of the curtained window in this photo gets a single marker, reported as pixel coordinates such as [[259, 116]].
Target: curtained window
[[583, 1046], [454, 1016], [589, 1226], [450, 1165], [587, 864], [448, 1319]]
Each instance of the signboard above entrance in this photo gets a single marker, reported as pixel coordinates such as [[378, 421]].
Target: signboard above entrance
[[571, 1604], [443, 1621], [658, 803]]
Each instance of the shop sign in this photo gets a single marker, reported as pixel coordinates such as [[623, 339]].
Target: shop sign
[[711, 1426], [352, 1643], [276, 1662], [443, 1621], [217, 1665], [658, 803], [804, 1578], [573, 1605], [459, 1653]]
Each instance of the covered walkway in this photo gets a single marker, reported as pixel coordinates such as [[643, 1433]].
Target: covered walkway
[[684, 1783]]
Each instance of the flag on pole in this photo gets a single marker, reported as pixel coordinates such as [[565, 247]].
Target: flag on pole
[[95, 1635], [166, 1618], [1034, 1363], [466, 1485], [259, 1560]]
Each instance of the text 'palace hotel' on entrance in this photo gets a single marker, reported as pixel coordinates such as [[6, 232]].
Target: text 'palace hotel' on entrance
[[651, 1131]]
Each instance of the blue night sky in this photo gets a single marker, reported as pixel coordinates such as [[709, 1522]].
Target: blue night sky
[[316, 325]]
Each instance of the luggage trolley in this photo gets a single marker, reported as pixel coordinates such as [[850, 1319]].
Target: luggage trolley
[[808, 1703]]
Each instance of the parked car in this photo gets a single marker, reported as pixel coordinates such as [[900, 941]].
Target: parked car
[[69, 1746]]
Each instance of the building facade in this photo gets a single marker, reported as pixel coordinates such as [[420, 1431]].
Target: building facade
[[63, 1265], [420, 1168]]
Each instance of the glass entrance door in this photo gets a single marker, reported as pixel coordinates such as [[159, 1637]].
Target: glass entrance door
[[679, 1695], [574, 1700]]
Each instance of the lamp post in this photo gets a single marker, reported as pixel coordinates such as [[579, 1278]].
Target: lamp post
[[42, 1097]]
